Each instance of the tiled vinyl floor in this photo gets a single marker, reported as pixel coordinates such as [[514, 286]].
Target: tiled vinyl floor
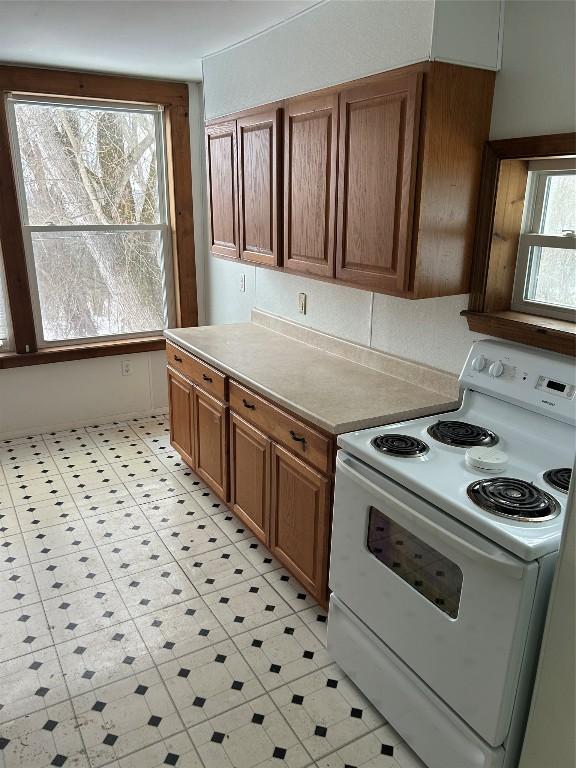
[[141, 625]]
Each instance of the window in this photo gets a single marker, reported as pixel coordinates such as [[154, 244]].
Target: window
[[523, 279], [545, 279], [93, 205], [5, 335]]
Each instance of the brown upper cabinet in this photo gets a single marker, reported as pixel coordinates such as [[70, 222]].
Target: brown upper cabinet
[[258, 181], [381, 180], [222, 189], [310, 156], [377, 159]]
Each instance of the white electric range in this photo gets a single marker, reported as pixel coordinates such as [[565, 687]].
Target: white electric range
[[445, 536]]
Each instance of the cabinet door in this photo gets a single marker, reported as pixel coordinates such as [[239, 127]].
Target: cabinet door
[[377, 169], [310, 148], [299, 523], [211, 442], [250, 476], [258, 176], [221, 171], [181, 399]]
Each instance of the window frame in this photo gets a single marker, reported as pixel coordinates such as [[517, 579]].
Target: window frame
[[28, 229], [500, 207], [539, 171], [53, 85]]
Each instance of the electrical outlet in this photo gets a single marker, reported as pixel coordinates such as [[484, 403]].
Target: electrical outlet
[[242, 283], [126, 367], [302, 303]]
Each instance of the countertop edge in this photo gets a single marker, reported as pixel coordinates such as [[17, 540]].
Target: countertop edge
[[332, 429]]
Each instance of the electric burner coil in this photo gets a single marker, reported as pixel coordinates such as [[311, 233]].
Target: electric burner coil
[[460, 434], [513, 498], [400, 445]]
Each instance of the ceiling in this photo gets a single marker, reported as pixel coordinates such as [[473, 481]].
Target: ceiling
[[157, 38]]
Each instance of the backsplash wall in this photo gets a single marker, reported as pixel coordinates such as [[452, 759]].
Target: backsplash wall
[[429, 331]]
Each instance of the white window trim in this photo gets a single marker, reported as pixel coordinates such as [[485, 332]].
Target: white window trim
[[530, 237], [163, 227]]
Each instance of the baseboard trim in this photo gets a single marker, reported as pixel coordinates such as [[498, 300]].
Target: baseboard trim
[[43, 429]]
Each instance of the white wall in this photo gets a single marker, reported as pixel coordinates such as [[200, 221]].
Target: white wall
[[342, 41], [535, 91], [331, 43], [41, 398]]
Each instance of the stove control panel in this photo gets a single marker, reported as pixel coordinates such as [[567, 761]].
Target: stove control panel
[[542, 381], [558, 388]]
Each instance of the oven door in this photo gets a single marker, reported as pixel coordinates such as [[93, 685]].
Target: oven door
[[454, 607]]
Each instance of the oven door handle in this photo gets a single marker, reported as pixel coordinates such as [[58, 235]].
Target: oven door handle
[[418, 524]]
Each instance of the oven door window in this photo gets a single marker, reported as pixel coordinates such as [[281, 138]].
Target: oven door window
[[427, 571]]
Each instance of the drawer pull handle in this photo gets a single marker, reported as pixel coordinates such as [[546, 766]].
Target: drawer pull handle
[[251, 406], [207, 378], [297, 439], [178, 359]]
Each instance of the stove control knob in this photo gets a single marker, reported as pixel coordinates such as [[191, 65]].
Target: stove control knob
[[496, 369], [478, 363]]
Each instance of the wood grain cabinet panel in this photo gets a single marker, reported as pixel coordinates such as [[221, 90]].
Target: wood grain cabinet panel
[[312, 446], [299, 520], [199, 372], [250, 476], [258, 179], [379, 126], [221, 163], [310, 153], [181, 399], [211, 444]]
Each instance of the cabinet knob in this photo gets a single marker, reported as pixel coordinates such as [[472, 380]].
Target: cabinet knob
[[297, 438], [207, 378], [251, 406], [178, 359]]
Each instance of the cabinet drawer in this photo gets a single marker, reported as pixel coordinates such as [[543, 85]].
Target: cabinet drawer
[[313, 447], [196, 370]]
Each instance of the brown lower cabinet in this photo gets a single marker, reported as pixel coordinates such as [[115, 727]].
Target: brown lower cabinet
[[272, 469], [210, 433], [181, 400], [250, 476], [299, 519]]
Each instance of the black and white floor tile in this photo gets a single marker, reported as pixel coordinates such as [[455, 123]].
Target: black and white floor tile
[[143, 626], [198, 536], [55, 511], [217, 569], [117, 525], [17, 588], [173, 512], [57, 576], [8, 522]]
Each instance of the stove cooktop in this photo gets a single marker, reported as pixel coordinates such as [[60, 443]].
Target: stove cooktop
[[438, 472]]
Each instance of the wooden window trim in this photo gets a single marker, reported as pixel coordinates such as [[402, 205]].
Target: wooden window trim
[[500, 209], [82, 351], [174, 98]]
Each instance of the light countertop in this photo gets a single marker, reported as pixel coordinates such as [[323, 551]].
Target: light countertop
[[328, 390]]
